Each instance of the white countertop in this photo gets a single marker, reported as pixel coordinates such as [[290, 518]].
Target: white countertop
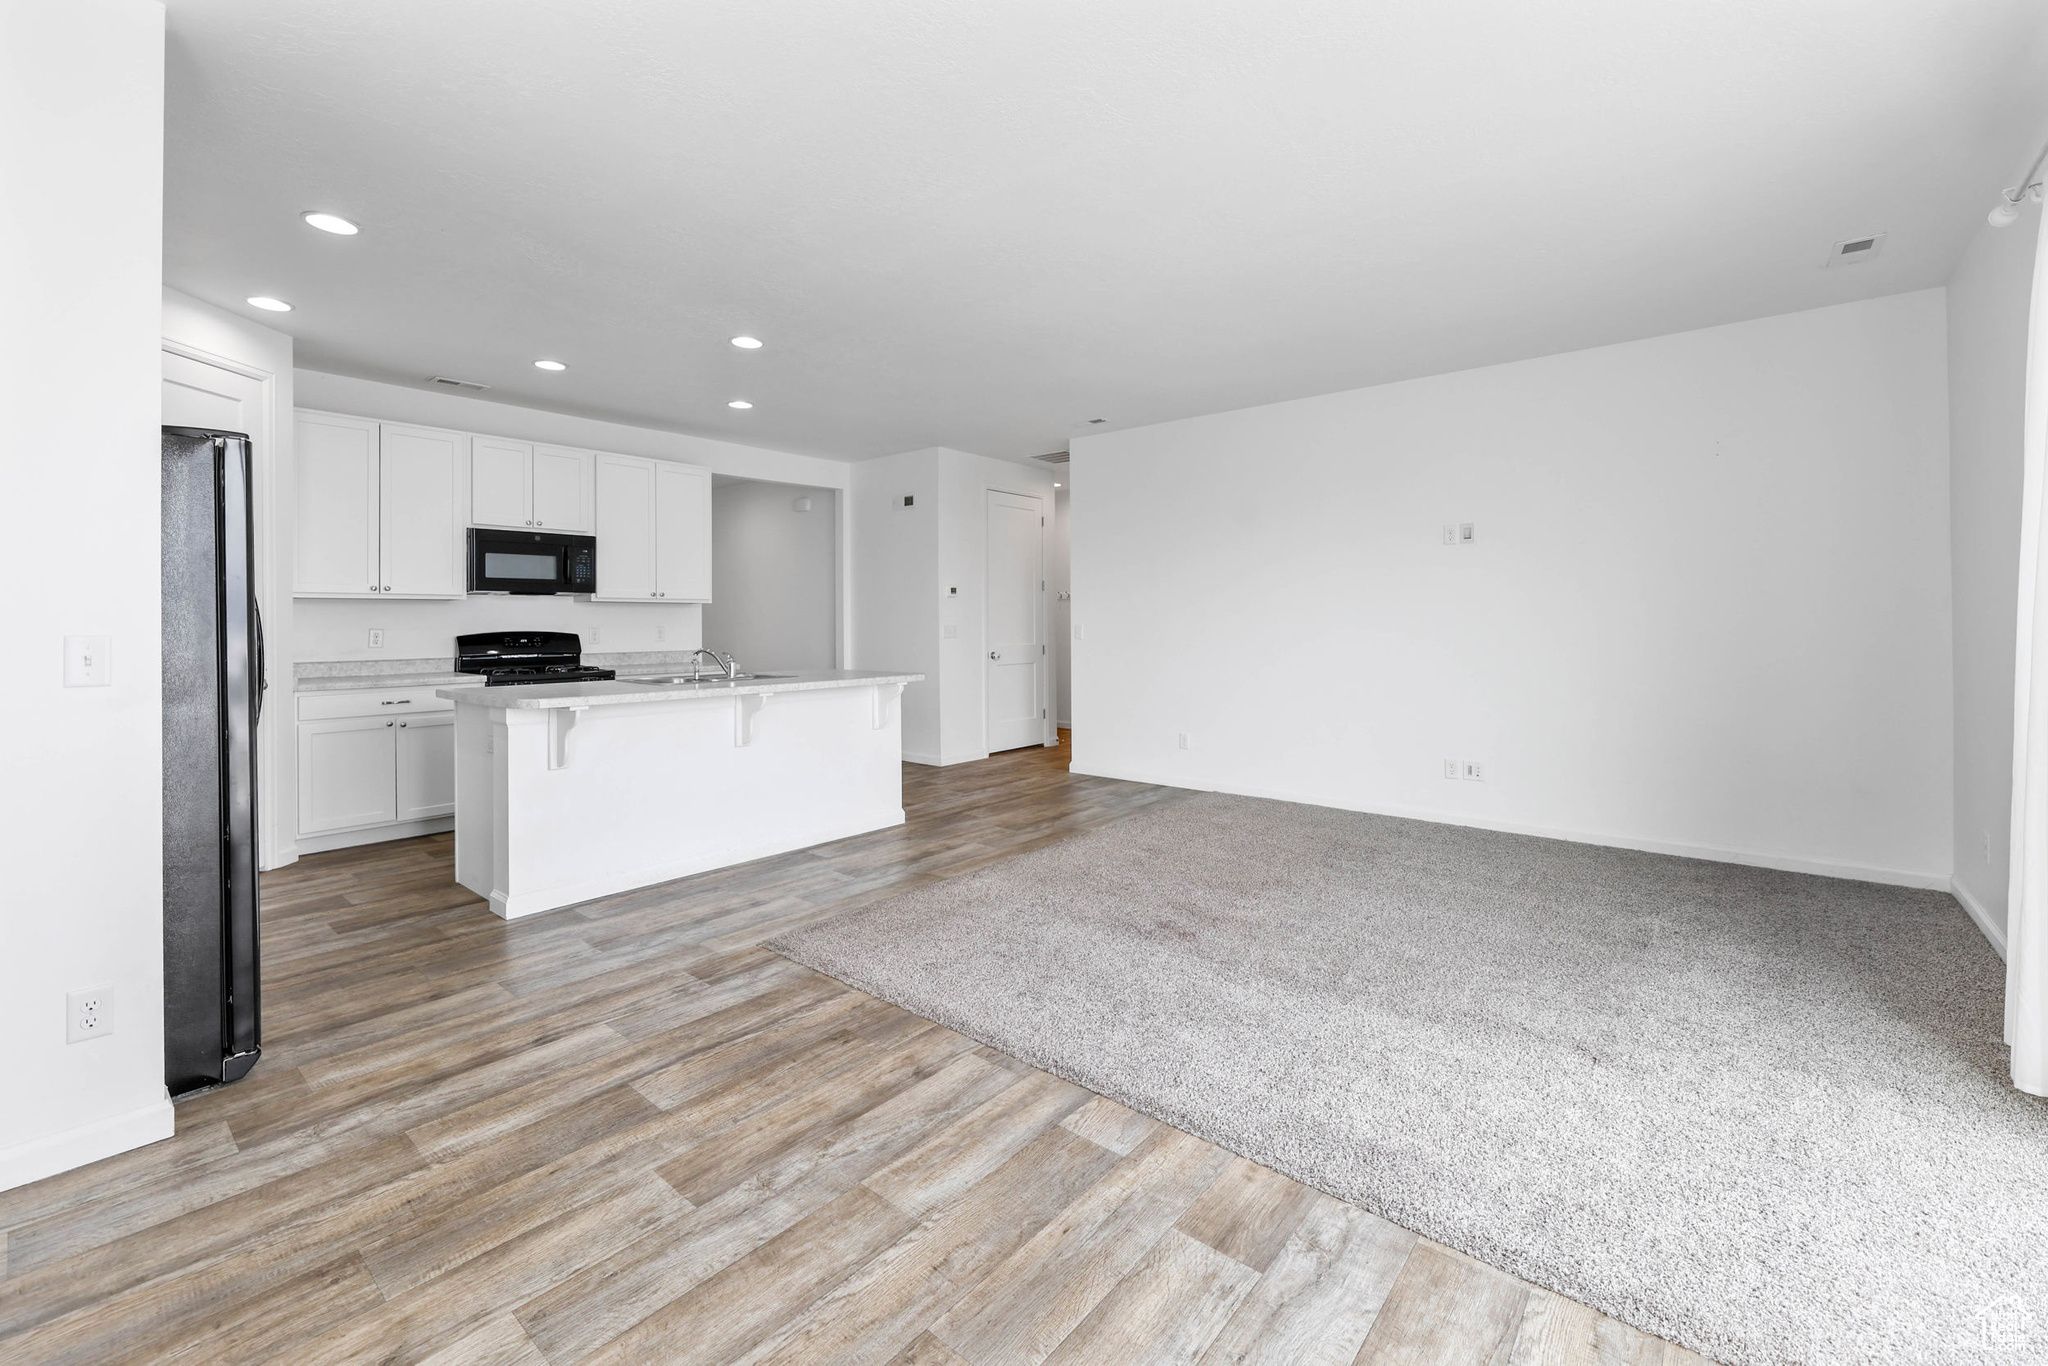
[[548, 696]]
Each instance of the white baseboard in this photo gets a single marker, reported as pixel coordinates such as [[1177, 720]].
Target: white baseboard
[[348, 839], [1855, 872], [943, 760], [60, 1152], [1980, 913]]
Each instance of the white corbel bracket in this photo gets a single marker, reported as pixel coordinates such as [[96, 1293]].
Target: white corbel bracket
[[885, 696], [561, 720], [745, 708]]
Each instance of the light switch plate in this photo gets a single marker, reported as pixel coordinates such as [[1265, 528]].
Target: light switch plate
[[88, 661]]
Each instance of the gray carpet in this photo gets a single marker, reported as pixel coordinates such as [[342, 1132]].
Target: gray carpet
[[1759, 1113]]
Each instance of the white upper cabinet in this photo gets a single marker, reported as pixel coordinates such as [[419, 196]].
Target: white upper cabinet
[[561, 488], [519, 484], [422, 506], [682, 533], [337, 505], [380, 508], [500, 482], [653, 530], [383, 508], [625, 528]]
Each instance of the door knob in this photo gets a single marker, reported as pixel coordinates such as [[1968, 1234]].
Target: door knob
[[991, 654]]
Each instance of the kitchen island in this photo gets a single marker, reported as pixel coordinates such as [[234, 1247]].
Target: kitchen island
[[569, 791]]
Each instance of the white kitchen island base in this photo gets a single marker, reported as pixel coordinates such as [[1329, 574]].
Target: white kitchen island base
[[568, 792]]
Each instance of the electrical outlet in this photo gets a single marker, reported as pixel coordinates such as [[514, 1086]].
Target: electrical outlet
[[1453, 769], [660, 634], [1186, 741], [376, 639], [1450, 534], [87, 1015], [1475, 771]]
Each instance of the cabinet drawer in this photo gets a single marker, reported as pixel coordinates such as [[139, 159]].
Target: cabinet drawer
[[322, 706]]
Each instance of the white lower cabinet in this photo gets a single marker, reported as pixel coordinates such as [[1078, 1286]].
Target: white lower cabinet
[[348, 773], [374, 765], [426, 766]]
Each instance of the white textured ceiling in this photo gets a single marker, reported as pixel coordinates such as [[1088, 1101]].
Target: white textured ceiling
[[979, 224]]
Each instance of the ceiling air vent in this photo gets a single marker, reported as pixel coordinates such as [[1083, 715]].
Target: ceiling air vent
[[447, 383], [1850, 250], [1053, 457]]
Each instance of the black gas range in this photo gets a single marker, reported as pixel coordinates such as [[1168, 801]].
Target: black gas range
[[509, 657]]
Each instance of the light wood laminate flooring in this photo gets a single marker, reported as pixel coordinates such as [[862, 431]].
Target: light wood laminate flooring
[[624, 1132]]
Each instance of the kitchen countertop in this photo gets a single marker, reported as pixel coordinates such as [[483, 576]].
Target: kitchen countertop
[[550, 696], [348, 674]]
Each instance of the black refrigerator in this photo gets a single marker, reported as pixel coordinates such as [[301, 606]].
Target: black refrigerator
[[213, 695]]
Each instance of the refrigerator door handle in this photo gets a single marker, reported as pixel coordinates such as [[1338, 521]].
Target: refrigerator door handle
[[262, 667]]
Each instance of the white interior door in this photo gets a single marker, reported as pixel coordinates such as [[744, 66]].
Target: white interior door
[[1016, 644]]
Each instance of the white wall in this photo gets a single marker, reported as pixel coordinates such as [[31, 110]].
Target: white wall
[[1707, 609], [1059, 558], [200, 331], [81, 156], [774, 575], [1987, 339], [338, 628], [895, 558]]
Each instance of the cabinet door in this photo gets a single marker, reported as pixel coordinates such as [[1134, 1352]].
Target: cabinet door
[[561, 488], [336, 552], [426, 766], [500, 479], [422, 507], [625, 528], [682, 533], [348, 773]]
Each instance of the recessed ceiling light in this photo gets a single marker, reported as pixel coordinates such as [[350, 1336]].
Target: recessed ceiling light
[[265, 302], [747, 343], [330, 222], [549, 365], [739, 403]]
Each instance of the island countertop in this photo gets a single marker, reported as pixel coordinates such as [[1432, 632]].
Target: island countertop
[[611, 692]]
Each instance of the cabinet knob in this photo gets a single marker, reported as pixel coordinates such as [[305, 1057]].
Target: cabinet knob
[[401, 724], [387, 588], [387, 725]]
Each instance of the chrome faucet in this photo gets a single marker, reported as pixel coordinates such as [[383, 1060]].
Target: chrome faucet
[[730, 665]]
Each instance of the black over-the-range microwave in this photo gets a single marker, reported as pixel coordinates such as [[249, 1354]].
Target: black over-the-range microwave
[[531, 562]]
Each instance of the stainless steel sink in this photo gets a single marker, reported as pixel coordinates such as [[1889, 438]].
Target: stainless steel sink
[[676, 680]]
